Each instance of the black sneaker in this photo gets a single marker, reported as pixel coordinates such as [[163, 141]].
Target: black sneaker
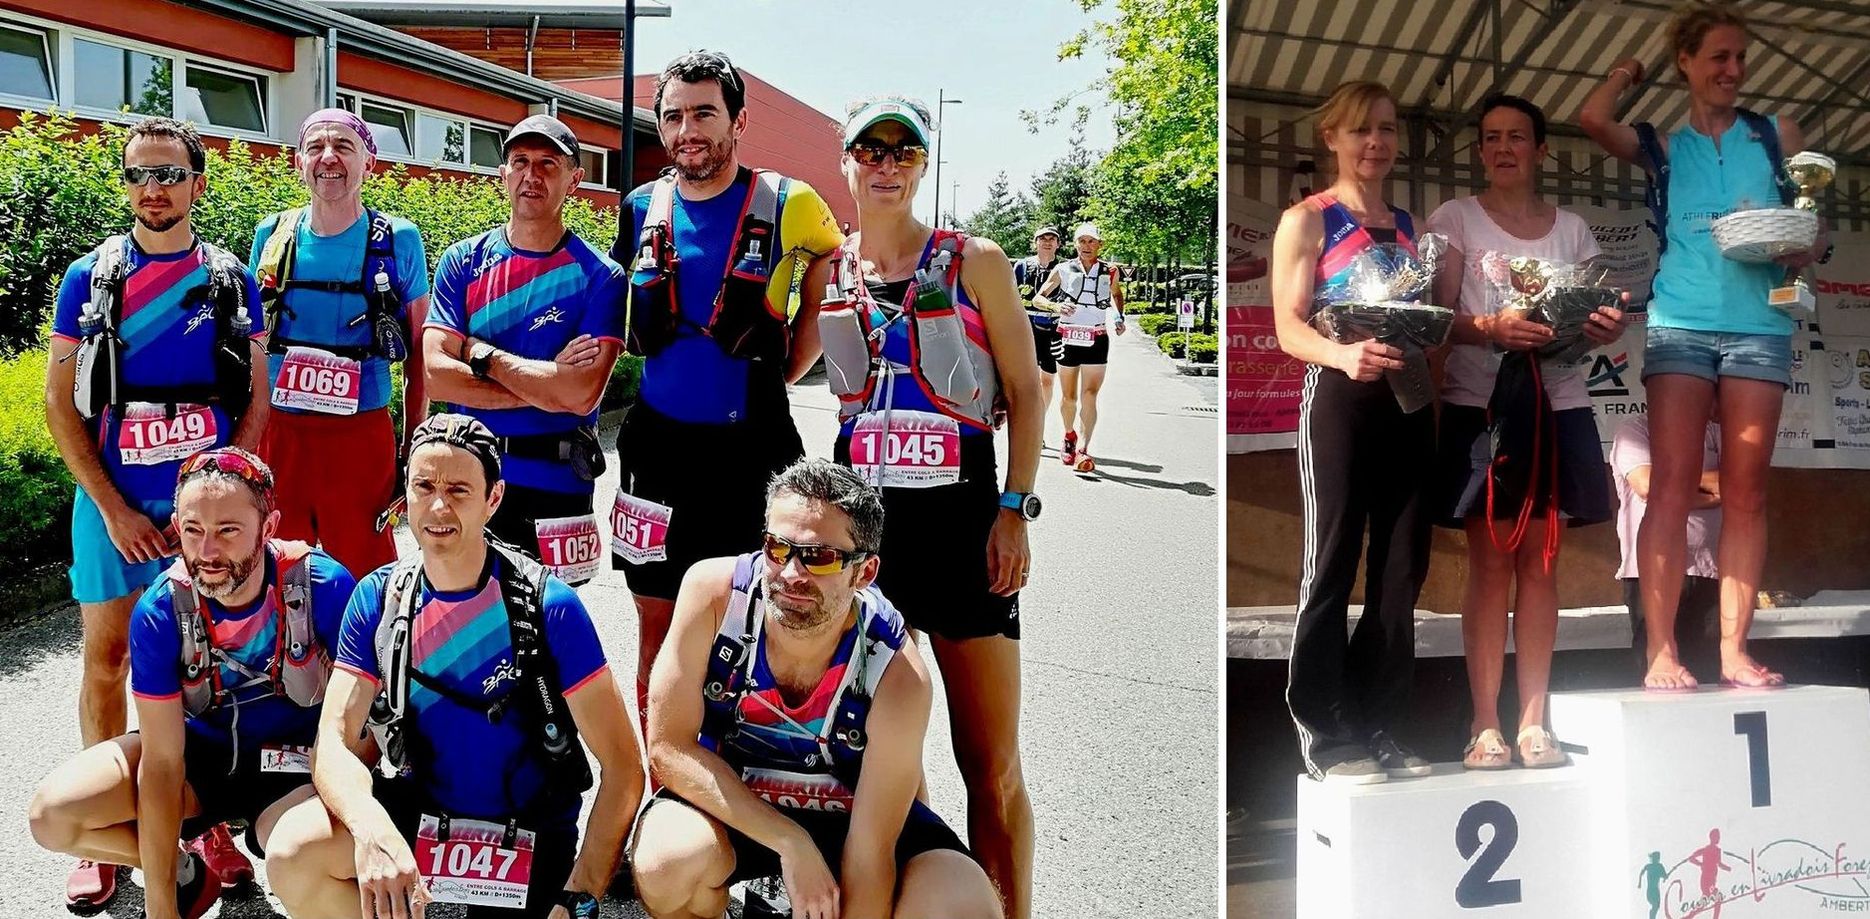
[[765, 898], [1357, 770], [1395, 759]]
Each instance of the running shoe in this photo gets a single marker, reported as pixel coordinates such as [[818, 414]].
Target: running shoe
[[1396, 759], [765, 898], [1358, 770], [1086, 463], [194, 898], [216, 847], [1068, 454], [90, 886]]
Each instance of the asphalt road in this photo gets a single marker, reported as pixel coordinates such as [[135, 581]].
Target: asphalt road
[[1119, 724]]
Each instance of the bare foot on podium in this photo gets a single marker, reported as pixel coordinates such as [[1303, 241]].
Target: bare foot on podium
[[1666, 674], [1743, 672]]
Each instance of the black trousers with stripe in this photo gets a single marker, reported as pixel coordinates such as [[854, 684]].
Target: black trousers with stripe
[[1363, 466]]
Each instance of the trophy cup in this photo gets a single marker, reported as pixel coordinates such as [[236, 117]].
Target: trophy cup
[[1812, 173], [1560, 296]]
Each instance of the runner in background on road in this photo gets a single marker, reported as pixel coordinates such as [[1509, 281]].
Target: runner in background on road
[[1363, 463], [154, 360], [712, 423], [527, 324], [811, 646], [918, 404], [230, 650], [344, 290], [474, 679], [1029, 273], [1091, 308]]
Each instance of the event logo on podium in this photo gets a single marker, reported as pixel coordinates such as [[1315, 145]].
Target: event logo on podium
[[1721, 876]]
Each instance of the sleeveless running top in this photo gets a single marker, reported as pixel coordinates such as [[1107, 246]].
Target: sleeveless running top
[[1696, 287], [783, 751], [896, 387], [1345, 239]]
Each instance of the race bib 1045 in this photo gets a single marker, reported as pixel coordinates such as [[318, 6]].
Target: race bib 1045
[[904, 449]]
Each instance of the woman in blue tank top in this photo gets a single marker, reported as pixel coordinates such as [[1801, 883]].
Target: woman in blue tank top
[[954, 546], [1710, 327], [1362, 462]]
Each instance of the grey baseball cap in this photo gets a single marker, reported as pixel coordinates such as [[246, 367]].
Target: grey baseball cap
[[551, 129]]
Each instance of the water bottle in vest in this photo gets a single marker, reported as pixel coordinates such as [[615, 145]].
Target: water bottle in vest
[[388, 331], [88, 392], [846, 345], [942, 342]]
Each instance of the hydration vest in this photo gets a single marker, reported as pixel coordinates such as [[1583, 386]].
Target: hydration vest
[[880, 634], [1656, 193], [743, 323], [99, 376], [535, 676], [949, 357], [1095, 294], [1031, 277], [375, 284], [301, 664]]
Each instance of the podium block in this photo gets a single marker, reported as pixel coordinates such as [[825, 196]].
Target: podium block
[[1493, 845], [1723, 803]]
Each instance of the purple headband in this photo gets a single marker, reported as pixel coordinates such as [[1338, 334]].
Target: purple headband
[[339, 116]]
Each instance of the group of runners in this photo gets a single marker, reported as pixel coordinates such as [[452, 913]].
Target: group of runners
[[1512, 455], [392, 731]]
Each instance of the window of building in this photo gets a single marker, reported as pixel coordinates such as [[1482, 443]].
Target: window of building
[[224, 100], [347, 102], [484, 147], [389, 126], [26, 64], [593, 162], [440, 140], [113, 78]]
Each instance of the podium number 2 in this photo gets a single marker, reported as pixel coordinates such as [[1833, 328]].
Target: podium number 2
[[1759, 769], [1478, 887]]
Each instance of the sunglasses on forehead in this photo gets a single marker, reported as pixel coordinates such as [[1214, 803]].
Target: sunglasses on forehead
[[871, 153], [814, 559], [231, 463], [165, 176]]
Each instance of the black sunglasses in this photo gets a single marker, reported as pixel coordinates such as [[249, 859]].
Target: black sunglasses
[[135, 176], [870, 153], [815, 559]]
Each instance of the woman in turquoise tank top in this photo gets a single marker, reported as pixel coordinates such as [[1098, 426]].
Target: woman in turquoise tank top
[[1709, 327]]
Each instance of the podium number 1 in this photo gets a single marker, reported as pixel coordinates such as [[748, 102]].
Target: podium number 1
[[1759, 769], [1478, 888]]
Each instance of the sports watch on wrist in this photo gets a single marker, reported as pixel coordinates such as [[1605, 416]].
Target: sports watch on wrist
[[479, 357], [1027, 504], [581, 905]]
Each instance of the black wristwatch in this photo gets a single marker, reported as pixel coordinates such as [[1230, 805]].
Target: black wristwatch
[[479, 357], [581, 905]]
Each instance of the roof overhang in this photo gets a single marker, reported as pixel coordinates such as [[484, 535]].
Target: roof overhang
[[552, 14]]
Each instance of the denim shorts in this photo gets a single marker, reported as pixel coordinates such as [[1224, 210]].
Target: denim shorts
[[1712, 355]]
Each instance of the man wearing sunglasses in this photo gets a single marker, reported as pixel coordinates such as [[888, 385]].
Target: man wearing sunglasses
[[480, 681], [717, 251], [344, 287], [1029, 273], [152, 363], [528, 322], [787, 713], [229, 654]]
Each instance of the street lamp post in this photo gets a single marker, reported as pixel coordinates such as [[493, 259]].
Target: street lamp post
[[941, 104]]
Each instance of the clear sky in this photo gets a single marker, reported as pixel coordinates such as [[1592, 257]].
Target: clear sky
[[999, 58]]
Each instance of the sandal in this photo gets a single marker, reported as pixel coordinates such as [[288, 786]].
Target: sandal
[[1538, 749], [1487, 752], [1754, 677], [1681, 675]]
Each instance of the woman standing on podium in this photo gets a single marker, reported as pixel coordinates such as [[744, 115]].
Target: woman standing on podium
[[1536, 410], [1710, 326], [1362, 462]]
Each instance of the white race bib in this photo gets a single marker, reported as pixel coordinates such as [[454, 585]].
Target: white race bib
[[905, 449], [570, 547], [316, 380], [639, 529], [470, 867], [147, 436]]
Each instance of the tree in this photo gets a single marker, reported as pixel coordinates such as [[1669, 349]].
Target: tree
[[1156, 192], [1005, 218], [1062, 194]]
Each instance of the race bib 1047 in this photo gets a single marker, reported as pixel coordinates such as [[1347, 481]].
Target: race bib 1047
[[466, 863]]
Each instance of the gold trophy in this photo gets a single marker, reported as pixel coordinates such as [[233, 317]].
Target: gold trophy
[[1812, 173]]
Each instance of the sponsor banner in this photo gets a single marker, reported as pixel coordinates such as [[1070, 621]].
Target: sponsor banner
[[1628, 247], [1263, 382], [1842, 286]]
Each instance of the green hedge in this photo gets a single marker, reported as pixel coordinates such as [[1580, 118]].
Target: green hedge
[[1202, 349], [35, 489], [1154, 324], [60, 195]]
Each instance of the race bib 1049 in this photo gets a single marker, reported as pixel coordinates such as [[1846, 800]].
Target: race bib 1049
[[149, 436], [904, 449], [470, 866], [315, 380]]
